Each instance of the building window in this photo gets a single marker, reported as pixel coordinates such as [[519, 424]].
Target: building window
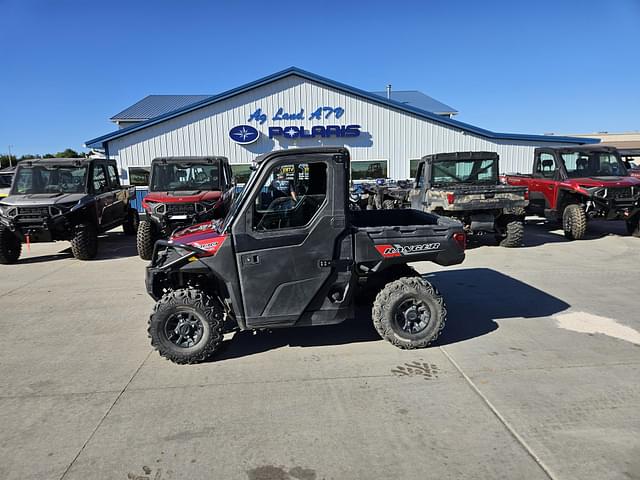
[[413, 167], [139, 176], [369, 169], [241, 172]]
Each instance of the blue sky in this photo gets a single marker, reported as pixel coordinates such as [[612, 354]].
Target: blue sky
[[569, 66]]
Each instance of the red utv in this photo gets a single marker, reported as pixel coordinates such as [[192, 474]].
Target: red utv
[[183, 191], [575, 184]]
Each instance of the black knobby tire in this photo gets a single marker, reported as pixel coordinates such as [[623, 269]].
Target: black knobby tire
[[633, 226], [84, 245], [393, 305], [514, 235], [130, 225], [10, 246], [146, 239], [388, 205], [574, 221], [205, 327]]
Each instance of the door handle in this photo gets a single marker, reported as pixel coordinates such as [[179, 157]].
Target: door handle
[[250, 259], [549, 187]]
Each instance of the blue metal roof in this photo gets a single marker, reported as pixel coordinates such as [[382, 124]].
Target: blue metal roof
[[419, 100], [152, 106], [99, 142]]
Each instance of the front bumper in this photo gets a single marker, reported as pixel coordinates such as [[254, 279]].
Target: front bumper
[[47, 229]]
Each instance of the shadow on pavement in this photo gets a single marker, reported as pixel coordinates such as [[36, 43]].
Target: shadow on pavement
[[475, 298], [116, 245], [111, 245]]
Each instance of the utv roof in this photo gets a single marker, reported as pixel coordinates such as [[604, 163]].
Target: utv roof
[[56, 161], [208, 159], [303, 151], [447, 157], [581, 148]]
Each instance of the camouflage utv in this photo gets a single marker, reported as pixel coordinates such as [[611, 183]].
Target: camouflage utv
[[465, 186]]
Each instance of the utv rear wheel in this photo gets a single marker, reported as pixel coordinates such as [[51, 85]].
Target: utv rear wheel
[[10, 246], [409, 313], [633, 226], [145, 240], [186, 326], [84, 245], [514, 235], [130, 225], [574, 222], [388, 205]]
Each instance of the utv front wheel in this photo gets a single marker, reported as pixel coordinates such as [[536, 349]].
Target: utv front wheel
[[388, 205], [84, 245], [186, 326], [145, 240], [409, 313], [574, 222], [514, 235], [130, 225], [10, 246]]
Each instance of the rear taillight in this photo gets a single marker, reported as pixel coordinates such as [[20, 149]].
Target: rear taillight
[[451, 197], [526, 194], [461, 239]]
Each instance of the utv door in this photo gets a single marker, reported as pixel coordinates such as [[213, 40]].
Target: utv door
[[417, 193], [103, 195], [543, 186], [287, 234]]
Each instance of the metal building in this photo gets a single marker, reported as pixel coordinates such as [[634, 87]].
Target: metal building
[[296, 108]]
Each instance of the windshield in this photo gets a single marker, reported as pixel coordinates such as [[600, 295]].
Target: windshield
[[49, 179], [593, 164], [464, 171], [5, 180], [185, 177]]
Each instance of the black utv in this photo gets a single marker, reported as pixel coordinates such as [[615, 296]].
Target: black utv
[[71, 199], [465, 186], [298, 259]]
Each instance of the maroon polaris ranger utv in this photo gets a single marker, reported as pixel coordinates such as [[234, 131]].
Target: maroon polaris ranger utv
[[298, 259], [575, 184], [183, 191]]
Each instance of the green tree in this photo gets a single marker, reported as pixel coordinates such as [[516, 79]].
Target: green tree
[[68, 153]]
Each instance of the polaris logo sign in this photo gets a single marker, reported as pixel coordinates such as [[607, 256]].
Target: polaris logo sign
[[244, 134], [339, 131]]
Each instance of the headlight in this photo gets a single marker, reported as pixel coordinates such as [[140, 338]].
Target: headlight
[[8, 210], [61, 208]]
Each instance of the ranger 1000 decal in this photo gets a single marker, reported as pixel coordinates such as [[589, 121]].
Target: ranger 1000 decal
[[388, 251]]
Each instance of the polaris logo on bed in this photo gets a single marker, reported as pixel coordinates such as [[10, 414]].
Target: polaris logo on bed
[[339, 131], [399, 250]]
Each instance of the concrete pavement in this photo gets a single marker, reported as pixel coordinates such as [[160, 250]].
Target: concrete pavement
[[510, 390]]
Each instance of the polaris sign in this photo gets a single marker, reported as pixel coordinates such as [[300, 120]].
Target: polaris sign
[[244, 134], [339, 131]]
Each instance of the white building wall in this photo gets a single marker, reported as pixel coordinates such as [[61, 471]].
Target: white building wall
[[387, 134]]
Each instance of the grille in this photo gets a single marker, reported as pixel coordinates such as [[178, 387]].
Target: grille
[[181, 208], [32, 214], [33, 211], [620, 192]]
